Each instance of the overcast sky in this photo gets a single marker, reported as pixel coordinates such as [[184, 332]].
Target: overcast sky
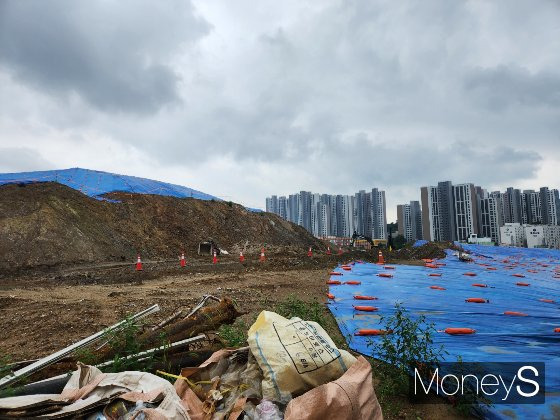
[[244, 99]]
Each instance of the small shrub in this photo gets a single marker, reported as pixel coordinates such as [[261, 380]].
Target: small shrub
[[124, 345], [410, 344]]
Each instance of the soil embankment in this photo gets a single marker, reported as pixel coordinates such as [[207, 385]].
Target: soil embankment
[[48, 224]]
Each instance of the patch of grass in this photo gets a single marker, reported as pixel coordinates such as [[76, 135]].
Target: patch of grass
[[234, 335], [308, 311]]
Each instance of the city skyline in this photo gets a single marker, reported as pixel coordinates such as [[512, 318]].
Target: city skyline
[[364, 212], [445, 212]]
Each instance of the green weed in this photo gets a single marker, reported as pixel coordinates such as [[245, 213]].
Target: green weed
[[308, 311], [6, 370], [234, 335], [124, 347], [410, 344]]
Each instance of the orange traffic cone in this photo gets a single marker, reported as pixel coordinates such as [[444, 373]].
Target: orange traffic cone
[[328, 250], [262, 258], [138, 264], [214, 258], [183, 262], [241, 257], [380, 259], [309, 253]]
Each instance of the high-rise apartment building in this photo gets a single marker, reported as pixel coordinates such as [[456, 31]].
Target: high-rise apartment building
[[345, 215], [293, 208], [430, 213], [324, 219], [513, 207], [446, 205], [362, 202], [439, 221], [489, 219], [272, 204], [409, 221], [378, 214], [499, 200], [283, 207], [532, 200], [550, 206], [466, 216], [304, 210]]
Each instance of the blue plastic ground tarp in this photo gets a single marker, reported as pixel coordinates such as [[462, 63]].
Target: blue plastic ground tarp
[[498, 337], [96, 183]]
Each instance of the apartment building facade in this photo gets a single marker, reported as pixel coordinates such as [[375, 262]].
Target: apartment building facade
[[409, 221], [430, 214]]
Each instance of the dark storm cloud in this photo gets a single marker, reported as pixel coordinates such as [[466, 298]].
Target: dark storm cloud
[[503, 86], [385, 164], [113, 55]]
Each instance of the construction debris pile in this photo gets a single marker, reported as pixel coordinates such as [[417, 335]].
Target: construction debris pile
[[291, 369]]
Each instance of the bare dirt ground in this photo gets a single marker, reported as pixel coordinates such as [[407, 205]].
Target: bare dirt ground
[[43, 316], [44, 312]]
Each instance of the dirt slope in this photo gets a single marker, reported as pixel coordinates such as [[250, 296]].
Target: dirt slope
[[50, 224]]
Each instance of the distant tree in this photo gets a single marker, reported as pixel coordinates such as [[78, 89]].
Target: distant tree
[[399, 241], [392, 227]]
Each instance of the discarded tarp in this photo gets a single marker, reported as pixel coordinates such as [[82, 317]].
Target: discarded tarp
[[89, 390]]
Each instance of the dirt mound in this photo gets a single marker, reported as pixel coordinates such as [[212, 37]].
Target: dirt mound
[[429, 250], [49, 224]]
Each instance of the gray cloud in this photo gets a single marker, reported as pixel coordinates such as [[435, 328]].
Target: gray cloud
[[503, 86], [20, 159], [114, 55], [343, 94]]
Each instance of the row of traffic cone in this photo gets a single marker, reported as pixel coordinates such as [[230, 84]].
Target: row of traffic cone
[[262, 257], [183, 263]]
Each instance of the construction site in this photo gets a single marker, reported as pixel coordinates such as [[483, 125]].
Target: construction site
[[187, 276]]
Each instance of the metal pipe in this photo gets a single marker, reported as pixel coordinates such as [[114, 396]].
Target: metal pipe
[[141, 355], [201, 304], [55, 357]]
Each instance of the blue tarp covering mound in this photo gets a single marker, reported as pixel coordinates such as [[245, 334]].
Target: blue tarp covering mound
[[96, 183], [498, 337]]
